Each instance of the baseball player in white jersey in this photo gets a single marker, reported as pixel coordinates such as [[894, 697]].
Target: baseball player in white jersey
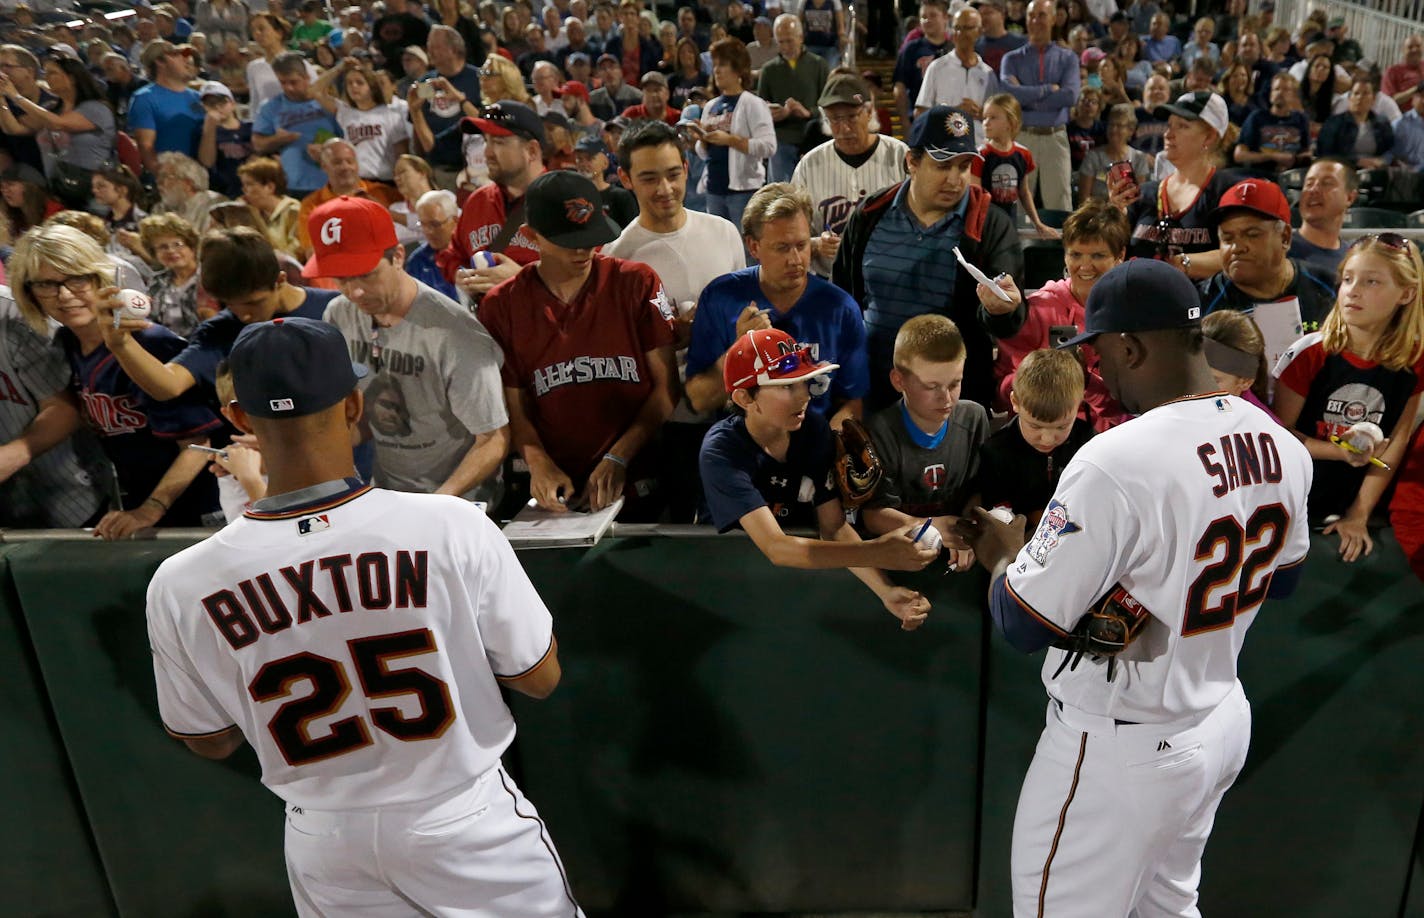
[[357, 638], [1197, 509]]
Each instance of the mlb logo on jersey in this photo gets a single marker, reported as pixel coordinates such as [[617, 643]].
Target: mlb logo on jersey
[[309, 524], [1051, 529]]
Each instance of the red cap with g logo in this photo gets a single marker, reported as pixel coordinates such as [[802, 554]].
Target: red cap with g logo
[[348, 236]]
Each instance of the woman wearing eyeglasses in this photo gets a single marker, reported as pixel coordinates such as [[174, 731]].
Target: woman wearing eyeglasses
[[173, 242], [59, 274]]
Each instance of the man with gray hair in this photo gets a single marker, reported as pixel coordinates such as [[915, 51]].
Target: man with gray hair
[[183, 190], [780, 292], [547, 80], [438, 212], [855, 162], [435, 121], [961, 78], [791, 83], [343, 178], [290, 125]]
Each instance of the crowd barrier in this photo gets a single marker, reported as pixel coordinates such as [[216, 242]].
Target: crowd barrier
[[729, 737]]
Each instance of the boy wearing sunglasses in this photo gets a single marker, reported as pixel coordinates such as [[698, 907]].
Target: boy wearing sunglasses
[[769, 466]]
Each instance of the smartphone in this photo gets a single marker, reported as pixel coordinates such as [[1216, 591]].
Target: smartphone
[[220, 453], [425, 90], [1057, 334], [1124, 173]]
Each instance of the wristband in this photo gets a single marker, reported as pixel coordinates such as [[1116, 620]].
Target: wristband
[[616, 460], [161, 505]]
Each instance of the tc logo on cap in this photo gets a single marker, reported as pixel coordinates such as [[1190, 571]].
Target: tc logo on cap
[[331, 231], [957, 125], [1245, 190], [578, 210]]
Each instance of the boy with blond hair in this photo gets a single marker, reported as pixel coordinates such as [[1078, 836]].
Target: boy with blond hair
[[1020, 464], [928, 441]]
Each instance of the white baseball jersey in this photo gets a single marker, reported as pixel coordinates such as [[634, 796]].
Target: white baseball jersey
[[1191, 508], [357, 643], [948, 82], [836, 186]]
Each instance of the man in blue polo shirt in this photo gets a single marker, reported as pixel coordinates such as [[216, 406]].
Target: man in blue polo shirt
[[1044, 77], [897, 259], [296, 124], [780, 293]]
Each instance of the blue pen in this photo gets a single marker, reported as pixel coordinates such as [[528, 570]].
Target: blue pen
[[923, 528]]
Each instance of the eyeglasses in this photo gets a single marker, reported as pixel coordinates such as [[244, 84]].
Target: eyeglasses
[[49, 289], [1388, 240]]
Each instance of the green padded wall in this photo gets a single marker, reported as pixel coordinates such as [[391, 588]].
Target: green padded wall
[[48, 866], [730, 736], [179, 835]]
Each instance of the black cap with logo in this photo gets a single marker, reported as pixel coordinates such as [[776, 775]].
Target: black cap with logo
[[566, 209], [503, 119], [291, 367], [944, 132], [1139, 295]]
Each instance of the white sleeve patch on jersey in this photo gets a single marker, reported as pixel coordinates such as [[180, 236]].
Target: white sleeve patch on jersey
[[1054, 525]]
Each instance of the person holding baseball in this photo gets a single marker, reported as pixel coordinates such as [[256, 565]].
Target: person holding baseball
[[60, 274]]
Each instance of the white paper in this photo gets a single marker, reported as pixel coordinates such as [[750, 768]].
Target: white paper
[[981, 277]]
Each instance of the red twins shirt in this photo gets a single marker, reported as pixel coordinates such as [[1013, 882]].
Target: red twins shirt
[[584, 363], [481, 219]]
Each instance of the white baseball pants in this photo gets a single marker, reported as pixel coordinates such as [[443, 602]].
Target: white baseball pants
[[1112, 819], [481, 852]]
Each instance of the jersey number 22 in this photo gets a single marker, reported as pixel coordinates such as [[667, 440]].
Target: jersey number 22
[[1264, 534]]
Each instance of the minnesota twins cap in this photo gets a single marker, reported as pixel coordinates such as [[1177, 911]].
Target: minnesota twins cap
[[566, 209], [770, 357], [291, 367], [1139, 295], [348, 237], [844, 89], [1256, 195], [944, 132]]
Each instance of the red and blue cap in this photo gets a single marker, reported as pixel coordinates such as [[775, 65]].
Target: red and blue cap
[[770, 357]]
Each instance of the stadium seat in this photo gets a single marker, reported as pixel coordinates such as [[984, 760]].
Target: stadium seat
[[1373, 218], [1043, 262], [1292, 180], [1415, 220], [127, 151]]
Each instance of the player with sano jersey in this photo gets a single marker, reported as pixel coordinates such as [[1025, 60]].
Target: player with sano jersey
[[1197, 509], [358, 639]]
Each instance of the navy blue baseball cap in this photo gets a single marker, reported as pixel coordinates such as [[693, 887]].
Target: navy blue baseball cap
[[944, 132], [291, 367], [1139, 295]]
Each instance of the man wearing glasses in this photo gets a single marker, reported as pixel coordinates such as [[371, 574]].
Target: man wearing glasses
[[428, 353], [23, 69], [855, 162], [438, 213], [962, 79]]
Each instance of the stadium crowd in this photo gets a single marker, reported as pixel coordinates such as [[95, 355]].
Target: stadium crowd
[[546, 225]]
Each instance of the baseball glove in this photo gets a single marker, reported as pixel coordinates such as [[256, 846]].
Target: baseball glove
[[1105, 631], [858, 467]]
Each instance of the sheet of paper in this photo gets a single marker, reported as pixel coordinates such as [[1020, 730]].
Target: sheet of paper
[[981, 277]]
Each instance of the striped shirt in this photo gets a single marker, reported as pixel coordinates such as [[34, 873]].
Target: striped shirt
[[910, 270]]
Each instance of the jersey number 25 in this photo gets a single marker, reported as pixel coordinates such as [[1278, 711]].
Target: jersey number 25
[[331, 687], [1264, 534]]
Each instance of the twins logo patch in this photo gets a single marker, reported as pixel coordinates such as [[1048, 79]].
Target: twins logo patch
[[933, 476], [309, 524], [1051, 529]]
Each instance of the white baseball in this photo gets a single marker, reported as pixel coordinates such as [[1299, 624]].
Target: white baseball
[[136, 304], [930, 539], [1002, 514], [1364, 436], [482, 259]]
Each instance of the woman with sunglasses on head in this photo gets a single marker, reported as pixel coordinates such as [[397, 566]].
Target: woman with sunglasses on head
[[76, 139], [1366, 364], [61, 275], [1170, 218]]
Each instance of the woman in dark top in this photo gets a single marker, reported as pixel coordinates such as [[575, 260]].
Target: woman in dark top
[[687, 75], [1235, 88], [1317, 90], [1357, 135]]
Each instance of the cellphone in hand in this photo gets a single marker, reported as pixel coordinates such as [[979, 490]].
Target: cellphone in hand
[[1124, 173], [425, 90], [1057, 334]]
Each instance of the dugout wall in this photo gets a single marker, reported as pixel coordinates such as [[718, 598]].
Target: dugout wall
[[728, 737]]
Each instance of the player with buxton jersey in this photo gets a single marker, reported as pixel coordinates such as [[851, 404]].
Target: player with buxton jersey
[[588, 352], [358, 639], [1196, 508]]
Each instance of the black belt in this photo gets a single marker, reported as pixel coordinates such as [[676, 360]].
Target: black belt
[[1120, 723]]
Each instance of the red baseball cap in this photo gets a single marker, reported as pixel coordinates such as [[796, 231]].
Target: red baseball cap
[[770, 357], [348, 236], [1257, 195], [574, 88]]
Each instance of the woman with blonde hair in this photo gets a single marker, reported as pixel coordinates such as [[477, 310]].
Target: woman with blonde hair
[[62, 275], [1236, 353], [500, 79], [414, 177], [127, 271]]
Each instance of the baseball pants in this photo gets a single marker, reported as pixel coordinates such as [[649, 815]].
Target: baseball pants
[[480, 852], [1112, 819], [1054, 168]]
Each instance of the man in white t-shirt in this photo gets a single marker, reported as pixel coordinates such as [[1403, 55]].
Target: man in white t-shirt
[[960, 78], [688, 250], [855, 162], [435, 405]]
